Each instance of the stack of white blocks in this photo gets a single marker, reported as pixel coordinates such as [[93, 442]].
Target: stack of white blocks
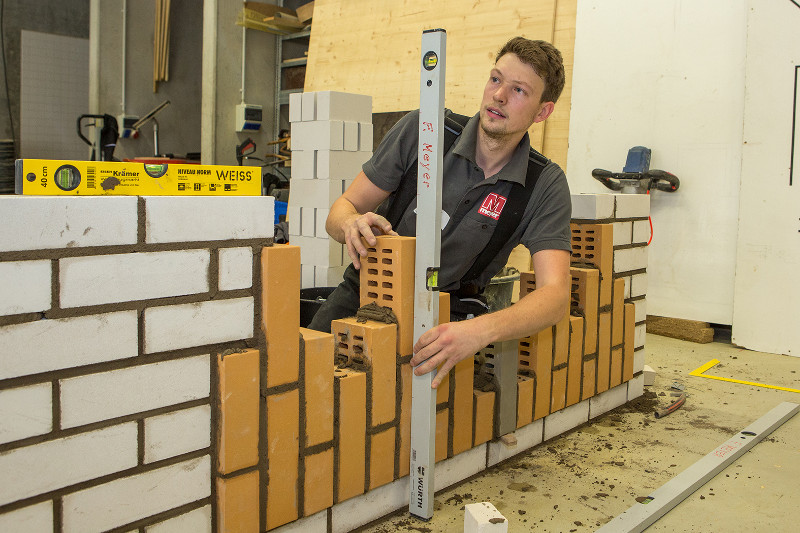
[[331, 139]]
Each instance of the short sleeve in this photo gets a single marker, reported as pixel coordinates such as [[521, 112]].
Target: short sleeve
[[549, 226], [395, 154]]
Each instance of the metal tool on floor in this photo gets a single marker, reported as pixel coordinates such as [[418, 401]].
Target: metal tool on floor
[[426, 267], [662, 500]]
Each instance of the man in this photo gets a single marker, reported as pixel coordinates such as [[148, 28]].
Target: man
[[489, 157]]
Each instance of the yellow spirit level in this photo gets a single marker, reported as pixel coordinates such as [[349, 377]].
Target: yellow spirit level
[[99, 178]]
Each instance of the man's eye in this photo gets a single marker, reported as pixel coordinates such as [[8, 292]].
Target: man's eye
[[519, 90]]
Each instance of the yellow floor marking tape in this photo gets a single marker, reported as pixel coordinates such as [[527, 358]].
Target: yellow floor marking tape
[[699, 373]]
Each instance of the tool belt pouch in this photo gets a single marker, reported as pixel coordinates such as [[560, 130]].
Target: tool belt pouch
[[464, 308]]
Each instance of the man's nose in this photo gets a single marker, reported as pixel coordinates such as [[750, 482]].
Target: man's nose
[[500, 94]]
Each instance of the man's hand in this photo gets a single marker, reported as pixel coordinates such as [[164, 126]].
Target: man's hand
[[366, 226], [446, 345]]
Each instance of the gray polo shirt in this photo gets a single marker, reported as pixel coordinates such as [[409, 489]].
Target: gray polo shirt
[[544, 225]]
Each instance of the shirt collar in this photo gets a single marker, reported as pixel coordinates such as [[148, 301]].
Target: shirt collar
[[514, 171]]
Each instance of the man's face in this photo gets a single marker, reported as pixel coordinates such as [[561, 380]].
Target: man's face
[[511, 100]]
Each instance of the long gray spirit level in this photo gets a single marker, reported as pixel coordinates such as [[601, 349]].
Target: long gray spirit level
[[426, 267]]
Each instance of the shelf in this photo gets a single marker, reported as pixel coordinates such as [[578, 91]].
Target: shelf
[[298, 35], [300, 61]]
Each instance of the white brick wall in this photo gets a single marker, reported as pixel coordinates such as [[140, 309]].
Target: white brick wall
[[355, 512], [350, 136], [630, 259], [235, 268], [319, 251], [641, 231], [59, 463], [125, 500], [309, 106], [638, 361], [46, 345], [333, 105], [318, 135], [295, 107], [315, 193], [172, 327], [566, 419], [340, 165], [641, 310], [316, 523], [25, 412], [295, 220], [304, 164], [608, 400], [527, 437], [106, 395], [321, 218], [32, 519], [638, 285], [197, 521], [464, 465], [636, 387], [26, 287], [198, 218], [66, 222], [308, 221], [328, 276], [176, 433], [632, 205], [103, 279], [592, 206], [640, 334], [622, 233]]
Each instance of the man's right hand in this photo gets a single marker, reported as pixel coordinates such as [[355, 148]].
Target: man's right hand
[[359, 228]]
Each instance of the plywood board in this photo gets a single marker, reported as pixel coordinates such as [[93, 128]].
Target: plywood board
[[374, 48]]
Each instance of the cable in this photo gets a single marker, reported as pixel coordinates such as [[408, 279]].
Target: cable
[[5, 73]]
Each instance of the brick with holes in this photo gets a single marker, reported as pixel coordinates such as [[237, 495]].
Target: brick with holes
[[536, 358], [387, 278], [371, 345], [593, 244]]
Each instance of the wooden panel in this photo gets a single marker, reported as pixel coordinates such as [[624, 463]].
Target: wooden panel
[[374, 48]]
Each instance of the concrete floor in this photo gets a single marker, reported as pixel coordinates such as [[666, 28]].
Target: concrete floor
[[579, 481]]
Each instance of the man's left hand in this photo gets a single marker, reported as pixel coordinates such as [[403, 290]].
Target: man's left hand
[[444, 346]]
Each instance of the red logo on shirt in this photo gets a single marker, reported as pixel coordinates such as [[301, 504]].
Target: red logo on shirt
[[492, 205]]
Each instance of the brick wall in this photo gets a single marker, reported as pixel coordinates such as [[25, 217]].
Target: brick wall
[[115, 317], [153, 374], [331, 139]]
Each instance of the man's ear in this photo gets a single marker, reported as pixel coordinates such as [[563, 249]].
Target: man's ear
[[545, 111]]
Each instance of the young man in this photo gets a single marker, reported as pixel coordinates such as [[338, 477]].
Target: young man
[[489, 157]]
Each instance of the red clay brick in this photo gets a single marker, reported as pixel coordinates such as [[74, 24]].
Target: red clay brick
[[318, 381], [527, 283], [561, 341], [238, 410], [443, 390], [558, 397], [524, 401], [575, 357], [589, 378], [585, 298], [616, 367], [594, 244], [463, 373], [318, 492], [627, 352], [381, 458], [617, 311], [536, 357], [604, 352], [404, 426], [484, 416], [388, 279], [352, 417], [372, 344], [442, 426], [280, 275], [237, 503], [282, 413]]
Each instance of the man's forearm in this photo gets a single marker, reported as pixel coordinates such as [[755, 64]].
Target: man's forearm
[[534, 312], [340, 211]]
